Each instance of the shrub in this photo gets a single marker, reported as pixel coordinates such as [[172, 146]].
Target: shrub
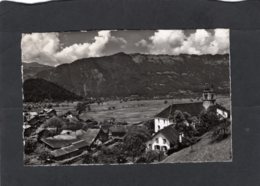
[[151, 156], [81, 107], [30, 146], [134, 141], [46, 157], [88, 159], [221, 132], [207, 120], [178, 116], [55, 122], [72, 126]]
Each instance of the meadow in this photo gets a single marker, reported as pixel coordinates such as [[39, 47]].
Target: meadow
[[136, 111]]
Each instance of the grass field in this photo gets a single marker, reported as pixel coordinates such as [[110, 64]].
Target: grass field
[[135, 111], [204, 151]]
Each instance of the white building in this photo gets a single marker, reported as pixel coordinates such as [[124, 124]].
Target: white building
[[164, 139], [165, 117]]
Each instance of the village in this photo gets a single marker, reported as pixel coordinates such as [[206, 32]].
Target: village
[[52, 138]]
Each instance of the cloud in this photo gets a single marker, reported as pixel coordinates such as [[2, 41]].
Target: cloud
[[77, 51], [45, 48], [175, 42], [39, 46], [166, 41], [48, 48]]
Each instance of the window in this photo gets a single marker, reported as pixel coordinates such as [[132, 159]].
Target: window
[[164, 141], [156, 140], [157, 147], [164, 148], [159, 127]]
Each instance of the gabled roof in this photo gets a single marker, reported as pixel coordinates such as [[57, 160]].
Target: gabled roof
[[57, 143], [90, 135], [118, 129], [193, 109], [80, 144], [170, 133]]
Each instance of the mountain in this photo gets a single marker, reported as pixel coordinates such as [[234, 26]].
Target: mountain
[[31, 69], [36, 90], [139, 74]]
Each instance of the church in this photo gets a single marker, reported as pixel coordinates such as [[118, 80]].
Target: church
[[164, 119], [166, 136]]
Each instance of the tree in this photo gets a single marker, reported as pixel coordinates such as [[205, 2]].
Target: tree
[[72, 126], [151, 156], [81, 107], [88, 159], [134, 141], [55, 122], [210, 117], [178, 116], [222, 131], [187, 116], [45, 157]]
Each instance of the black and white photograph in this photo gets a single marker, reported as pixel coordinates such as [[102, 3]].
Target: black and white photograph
[[115, 97]]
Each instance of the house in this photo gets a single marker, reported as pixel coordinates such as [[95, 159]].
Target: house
[[165, 117], [164, 139], [72, 147], [50, 112], [117, 131], [222, 112], [27, 130]]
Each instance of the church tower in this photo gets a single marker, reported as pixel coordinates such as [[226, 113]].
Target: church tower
[[208, 97]]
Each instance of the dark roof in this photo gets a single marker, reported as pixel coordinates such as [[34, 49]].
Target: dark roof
[[63, 151], [58, 152], [90, 135], [118, 129], [80, 144], [57, 143], [170, 133], [193, 109]]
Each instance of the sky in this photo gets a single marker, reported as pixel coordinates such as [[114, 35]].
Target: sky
[[55, 48]]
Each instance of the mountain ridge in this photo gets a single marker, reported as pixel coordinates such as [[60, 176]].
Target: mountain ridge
[[145, 75], [37, 90]]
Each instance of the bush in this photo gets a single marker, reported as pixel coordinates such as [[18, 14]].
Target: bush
[[107, 156], [81, 107], [88, 159], [54, 122], [30, 146], [221, 132], [72, 126], [178, 116], [134, 141], [151, 156], [208, 120], [46, 157]]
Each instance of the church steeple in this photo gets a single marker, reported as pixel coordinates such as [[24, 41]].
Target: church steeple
[[208, 97]]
